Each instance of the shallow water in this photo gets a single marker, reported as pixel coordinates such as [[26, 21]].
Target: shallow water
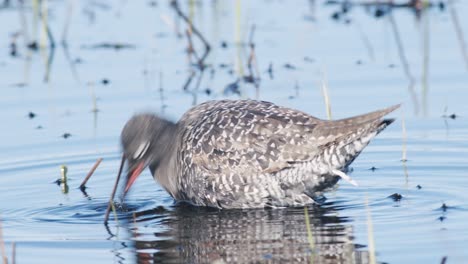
[[50, 226]]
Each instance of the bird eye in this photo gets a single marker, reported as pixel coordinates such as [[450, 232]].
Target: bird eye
[[141, 150]]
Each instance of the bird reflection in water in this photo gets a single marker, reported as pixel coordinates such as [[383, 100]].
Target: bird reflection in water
[[187, 234]]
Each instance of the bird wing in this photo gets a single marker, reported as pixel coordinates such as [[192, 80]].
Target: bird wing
[[248, 136], [260, 137]]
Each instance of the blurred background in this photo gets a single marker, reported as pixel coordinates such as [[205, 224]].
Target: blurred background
[[73, 72]]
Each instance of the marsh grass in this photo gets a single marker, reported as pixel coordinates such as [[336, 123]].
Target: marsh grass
[[404, 138], [238, 38], [326, 97], [365, 40], [426, 52], [13, 253], [370, 234], [310, 236], [64, 179], [66, 25], [459, 32], [401, 48], [3, 248]]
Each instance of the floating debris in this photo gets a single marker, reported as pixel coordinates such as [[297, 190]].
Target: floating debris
[[31, 115], [419, 187], [444, 207], [39, 127], [336, 16], [232, 88], [452, 116], [33, 46], [442, 8], [380, 12], [105, 81], [249, 79], [13, 48], [444, 258], [20, 84], [289, 66], [308, 59], [66, 135], [380, 9], [108, 45], [396, 197], [224, 44]]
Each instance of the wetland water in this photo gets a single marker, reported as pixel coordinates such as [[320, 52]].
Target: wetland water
[[126, 56]]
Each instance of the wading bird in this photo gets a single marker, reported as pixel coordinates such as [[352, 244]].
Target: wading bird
[[246, 153]]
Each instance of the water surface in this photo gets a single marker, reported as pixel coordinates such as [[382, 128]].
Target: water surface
[[356, 55]]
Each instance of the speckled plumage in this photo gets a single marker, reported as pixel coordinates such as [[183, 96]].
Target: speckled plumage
[[247, 154]]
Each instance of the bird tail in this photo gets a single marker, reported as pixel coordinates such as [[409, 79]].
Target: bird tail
[[355, 134], [370, 126]]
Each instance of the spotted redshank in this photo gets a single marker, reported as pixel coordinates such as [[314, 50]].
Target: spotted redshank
[[246, 153]]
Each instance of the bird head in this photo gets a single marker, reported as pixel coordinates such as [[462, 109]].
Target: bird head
[[144, 139]]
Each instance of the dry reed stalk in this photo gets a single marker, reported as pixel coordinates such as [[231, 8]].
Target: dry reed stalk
[[326, 97], [191, 49], [90, 173], [252, 60], [425, 72], [194, 30], [66, 26]]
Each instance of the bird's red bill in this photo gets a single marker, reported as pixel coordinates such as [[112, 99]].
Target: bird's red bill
[[137, 171]]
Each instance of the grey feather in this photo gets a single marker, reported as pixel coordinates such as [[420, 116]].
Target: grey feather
[[245, 153]]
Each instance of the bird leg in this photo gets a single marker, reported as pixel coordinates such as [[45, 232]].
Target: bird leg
[[344, 177]]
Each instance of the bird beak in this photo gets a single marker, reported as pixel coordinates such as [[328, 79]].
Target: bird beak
[[133, 175]]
